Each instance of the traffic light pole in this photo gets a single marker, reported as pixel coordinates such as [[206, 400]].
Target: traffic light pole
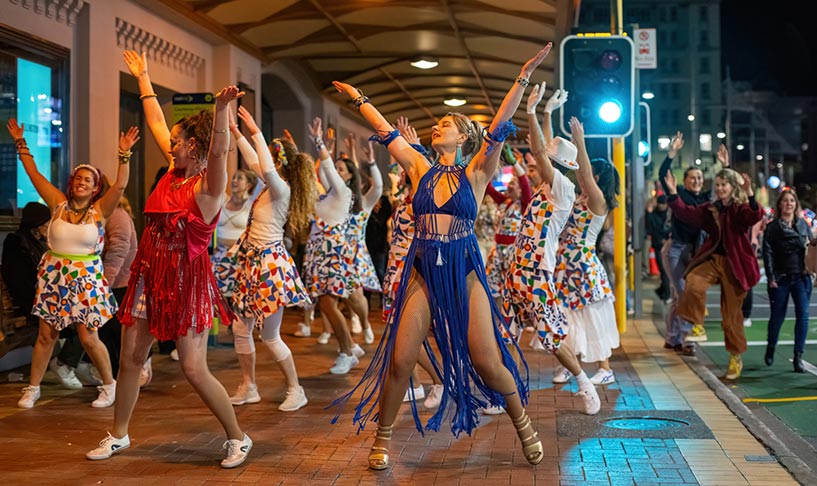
[[620, 213]]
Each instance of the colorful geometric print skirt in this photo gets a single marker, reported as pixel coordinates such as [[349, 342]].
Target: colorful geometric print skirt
[[327, 259], [71, 289], [496, 268], [266, 280], [224, 261]]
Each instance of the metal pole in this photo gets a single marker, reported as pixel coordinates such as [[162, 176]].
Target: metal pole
[[637, 194], [620, 213]]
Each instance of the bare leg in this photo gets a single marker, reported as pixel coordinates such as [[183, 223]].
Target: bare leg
[[193, 358], [246, 362], [329, 308], [97, 352], [43, 349], [136, 341], [425, 363], [568, 359], [245, 348], [604, 364], [359, 304]]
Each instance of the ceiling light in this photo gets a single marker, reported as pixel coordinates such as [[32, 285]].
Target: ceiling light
[[425, 63], [454, 101]]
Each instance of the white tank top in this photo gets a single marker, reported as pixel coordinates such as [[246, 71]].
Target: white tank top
[[75, 239], [232, 223]]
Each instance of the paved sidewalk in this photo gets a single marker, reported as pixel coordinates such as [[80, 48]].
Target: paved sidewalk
[[659, 424]]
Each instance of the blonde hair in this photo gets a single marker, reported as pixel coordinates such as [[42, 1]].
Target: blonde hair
[[734, 179]]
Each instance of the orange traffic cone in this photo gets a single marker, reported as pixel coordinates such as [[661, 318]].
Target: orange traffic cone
[[653, 263]]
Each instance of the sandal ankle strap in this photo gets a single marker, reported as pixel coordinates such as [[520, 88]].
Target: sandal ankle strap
[[384, 432]]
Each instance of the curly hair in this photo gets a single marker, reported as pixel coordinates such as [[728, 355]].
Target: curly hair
[[198, 127], [354, 185], [472, 129], [299, 172], [608, 182], [735, 180]]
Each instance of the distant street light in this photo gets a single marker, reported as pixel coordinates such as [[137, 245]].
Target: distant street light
[[648, 95], [740, 147], [721, 135], [691, 118]]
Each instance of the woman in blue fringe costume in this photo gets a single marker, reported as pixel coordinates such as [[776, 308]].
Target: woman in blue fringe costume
[[443, 285]]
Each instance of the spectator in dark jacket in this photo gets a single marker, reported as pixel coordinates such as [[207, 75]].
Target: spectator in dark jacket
[[22, 251], [658, 229], [784, 256]]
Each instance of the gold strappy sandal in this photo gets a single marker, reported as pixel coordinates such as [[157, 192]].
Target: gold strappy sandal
[[531, 445], [379, 456]]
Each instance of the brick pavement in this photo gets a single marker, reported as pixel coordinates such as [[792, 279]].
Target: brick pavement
[[175, 440]]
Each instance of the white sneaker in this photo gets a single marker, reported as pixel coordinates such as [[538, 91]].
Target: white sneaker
[[108, 446], [324, 338], [246, 394], [356, 327], [435, 396], [30, 396], [174, 355], [603, 377], [562, 375], [358, 351], [343, 364], [295, 399], [590, 397], [493, 410], [66, 374], [368, 335], [107, 395], [88, 375], [419, 392], [303, 330], [747, 322], [146, 374], [237, 451]]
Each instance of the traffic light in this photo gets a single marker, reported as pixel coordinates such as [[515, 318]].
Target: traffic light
[[598, 72]]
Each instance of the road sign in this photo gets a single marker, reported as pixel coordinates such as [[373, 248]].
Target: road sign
[[646, 49]]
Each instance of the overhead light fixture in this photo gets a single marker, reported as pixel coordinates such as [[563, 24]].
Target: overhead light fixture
[[455, 101], [425, 63]]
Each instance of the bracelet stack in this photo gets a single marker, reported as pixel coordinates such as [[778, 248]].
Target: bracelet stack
[[124, 156], [524, 82], [360, 100], [149, 95], [22, 147], [319, 142]]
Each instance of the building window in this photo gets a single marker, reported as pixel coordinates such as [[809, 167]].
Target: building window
[[676, 91], [662, 14], [664, 117], [34, 78], [706, 93], [673, 14], [676, 116], [703, 13], [703, 38], [673, 37], [706, 117], [703, 65], [675, 68]]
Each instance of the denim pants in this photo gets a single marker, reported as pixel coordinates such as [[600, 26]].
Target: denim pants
[[799, 287], [676, 256]]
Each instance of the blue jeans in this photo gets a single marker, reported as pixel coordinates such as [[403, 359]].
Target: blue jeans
[[676, 257], [799, 287]]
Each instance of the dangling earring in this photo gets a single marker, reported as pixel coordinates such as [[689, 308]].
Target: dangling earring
[[458, 156]]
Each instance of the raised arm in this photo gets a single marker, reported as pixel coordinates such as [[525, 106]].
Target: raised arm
[[485, 162], [403, 153], [330, 179], [584, 174], [154, 117], [215, 183], [675, 145], [269, 173], [690, 214], [244, 146], [48, 191], [537, 138], [351, 146], [108, 202], [555, 102], [375, 179]]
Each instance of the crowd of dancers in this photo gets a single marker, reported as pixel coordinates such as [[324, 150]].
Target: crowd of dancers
[[444, 310]]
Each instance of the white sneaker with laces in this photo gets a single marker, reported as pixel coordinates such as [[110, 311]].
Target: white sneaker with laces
[[324, 338], [237, 451], [747, 322], [368, 335], [603, 377], [435, 396], [590, 397], [343, 364], [246, 394], [107, 395], [108, 446], [88, 375], [493, 410], [562, 375], [66, 374], [146, 374], [419, 392], [295, 399], [30, 396], [358, 351], [303, 330], [356, 327]]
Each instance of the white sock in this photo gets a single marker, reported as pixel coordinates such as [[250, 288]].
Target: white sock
[[583, 381]]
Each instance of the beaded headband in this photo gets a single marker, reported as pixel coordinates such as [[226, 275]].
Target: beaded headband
[[280, 152]]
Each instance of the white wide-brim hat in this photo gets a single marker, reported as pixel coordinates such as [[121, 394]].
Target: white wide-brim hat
[[563, 152]]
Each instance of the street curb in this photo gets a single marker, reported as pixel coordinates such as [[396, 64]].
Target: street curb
[[799, 469]]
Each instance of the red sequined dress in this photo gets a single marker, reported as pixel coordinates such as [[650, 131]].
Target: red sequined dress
[[172, 269]]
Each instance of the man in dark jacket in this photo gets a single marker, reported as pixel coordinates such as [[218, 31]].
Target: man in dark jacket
[[658, 229]]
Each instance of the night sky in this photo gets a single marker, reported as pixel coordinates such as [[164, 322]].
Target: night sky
[[773, 48]]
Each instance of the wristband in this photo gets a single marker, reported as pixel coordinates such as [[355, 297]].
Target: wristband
[[524, 82], [149, 95]]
